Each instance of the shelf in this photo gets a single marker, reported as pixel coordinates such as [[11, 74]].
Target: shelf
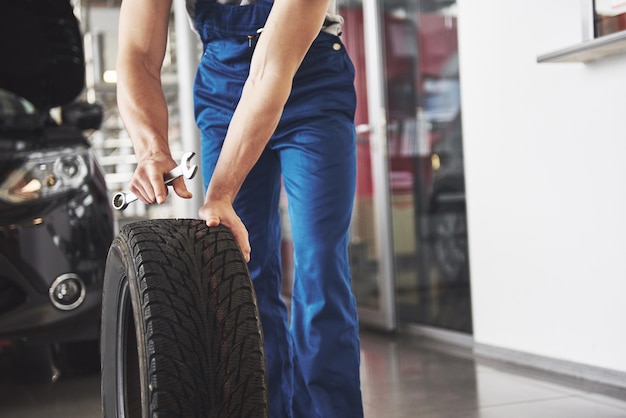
[[588, 51]]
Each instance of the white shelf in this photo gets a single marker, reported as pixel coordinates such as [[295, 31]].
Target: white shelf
[[588, 51]]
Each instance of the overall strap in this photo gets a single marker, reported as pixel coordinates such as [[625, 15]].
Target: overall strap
[[215, 20]]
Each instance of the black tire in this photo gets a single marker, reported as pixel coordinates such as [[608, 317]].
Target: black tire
[[450, 245], [181, 334]]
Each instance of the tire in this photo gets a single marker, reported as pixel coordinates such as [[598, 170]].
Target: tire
[[181, 333], [450, 245]]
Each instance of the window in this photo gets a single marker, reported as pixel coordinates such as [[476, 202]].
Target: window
[[609, 17]]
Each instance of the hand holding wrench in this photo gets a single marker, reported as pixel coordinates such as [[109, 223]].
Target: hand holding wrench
[[121, 200]]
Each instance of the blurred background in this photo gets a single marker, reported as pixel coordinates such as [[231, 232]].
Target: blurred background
[[490, 185]]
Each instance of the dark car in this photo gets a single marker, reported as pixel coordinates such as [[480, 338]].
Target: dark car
[[56, 222]]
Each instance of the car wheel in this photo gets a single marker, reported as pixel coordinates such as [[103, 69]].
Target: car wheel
[[181, 333], [450, 246]]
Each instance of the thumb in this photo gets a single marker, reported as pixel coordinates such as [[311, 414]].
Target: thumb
[[181, 189], [212, 221], [209, 218]]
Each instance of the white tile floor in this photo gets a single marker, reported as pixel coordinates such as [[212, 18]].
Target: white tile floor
[[402, 378]]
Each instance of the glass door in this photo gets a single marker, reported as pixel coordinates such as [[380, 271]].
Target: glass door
[[425, 159], [409, 252]]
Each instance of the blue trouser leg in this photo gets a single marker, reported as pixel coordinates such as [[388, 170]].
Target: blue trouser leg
[[316, 144], [319, 181]]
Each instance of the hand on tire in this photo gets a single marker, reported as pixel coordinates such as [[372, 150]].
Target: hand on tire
[[216, 212]]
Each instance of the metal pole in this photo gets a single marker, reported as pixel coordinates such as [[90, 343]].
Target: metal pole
[[187, 53], [374, 60]]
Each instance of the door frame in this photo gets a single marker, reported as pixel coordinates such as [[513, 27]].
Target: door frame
[[385, 316]]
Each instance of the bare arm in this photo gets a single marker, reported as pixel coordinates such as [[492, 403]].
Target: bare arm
[[143, 28], [289, 31]]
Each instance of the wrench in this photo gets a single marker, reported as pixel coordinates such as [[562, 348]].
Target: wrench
[[121, 200]]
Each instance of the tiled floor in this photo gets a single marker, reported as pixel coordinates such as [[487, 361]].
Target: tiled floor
[[409, 378], [402, 377]]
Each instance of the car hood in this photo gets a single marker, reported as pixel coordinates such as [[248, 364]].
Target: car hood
[[41, 51]]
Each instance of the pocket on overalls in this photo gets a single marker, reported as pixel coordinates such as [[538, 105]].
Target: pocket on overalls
[[326, 76]]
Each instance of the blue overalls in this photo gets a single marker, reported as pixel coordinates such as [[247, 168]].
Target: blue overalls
[[313, 361]]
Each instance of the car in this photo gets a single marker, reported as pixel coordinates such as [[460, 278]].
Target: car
[[56, 220]]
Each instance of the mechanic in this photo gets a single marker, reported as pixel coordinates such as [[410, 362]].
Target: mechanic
[[274, 97]]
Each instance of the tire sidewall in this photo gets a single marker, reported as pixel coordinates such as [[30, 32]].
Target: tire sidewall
[[120, 303]]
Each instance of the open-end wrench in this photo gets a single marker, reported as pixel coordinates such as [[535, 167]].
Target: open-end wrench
[[121, 200]]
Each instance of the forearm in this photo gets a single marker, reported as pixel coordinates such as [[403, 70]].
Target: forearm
[[253, 123], [290, 29], [142, 40], [143, 110]]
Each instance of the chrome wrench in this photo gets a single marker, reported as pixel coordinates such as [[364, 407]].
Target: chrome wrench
[[121, 200]]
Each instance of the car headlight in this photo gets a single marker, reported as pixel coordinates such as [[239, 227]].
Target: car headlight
[[46, 174]]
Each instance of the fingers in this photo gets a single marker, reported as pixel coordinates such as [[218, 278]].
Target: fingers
[[147, 181], [241, 237], [230, 220], [147, 189]]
